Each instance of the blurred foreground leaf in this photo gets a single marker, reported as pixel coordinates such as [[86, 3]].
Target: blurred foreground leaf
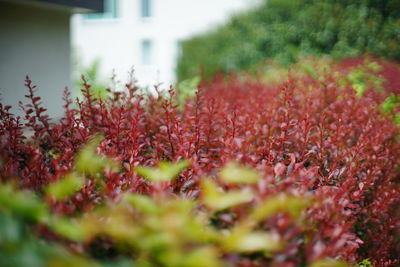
[[22, 203], [205, 256], [329, 263], [233, 173], [72, 230], [143, 203], [242, 239], [218, 200], [292, 205], [165, 171], [65, 187], [88, 161]]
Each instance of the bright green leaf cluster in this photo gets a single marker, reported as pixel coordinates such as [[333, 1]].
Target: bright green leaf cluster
[[365, 263], [164, 172], [243, 239], [292, 205], [159, 231], [22, 203], [88, 161], [364, 76], [187, 89], [218, 200], [390, 103], [234, 173], [65, 187], [329, 263]]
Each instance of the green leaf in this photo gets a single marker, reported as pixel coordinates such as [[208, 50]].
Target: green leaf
[[22, 203], [359, 88], [67, 259], [242, 239], [357, 80], [69, 229], [65, 187], [234, 173], [11, 229], [329, 263], [204, 256], [88, 161], [165, 171], [187, 88], [373, 65], [217, 200], [396, 119], [390, 103], [365, 263], [142, 203], [282, 203]]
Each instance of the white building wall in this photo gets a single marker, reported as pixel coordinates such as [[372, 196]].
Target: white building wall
[[117, 42], [34, 41]]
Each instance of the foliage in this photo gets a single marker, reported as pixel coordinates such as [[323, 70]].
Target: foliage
[[160, 229], [92, 73], [391, 105], [365, 263], [187, 89], [245, 173], [286, 29]]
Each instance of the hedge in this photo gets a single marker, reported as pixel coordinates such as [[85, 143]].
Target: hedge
[[304, 172], [286, 29]]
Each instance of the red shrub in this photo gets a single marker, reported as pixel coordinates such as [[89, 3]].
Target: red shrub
[[308, 136]]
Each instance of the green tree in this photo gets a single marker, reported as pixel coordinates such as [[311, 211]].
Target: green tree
[[286, 29]]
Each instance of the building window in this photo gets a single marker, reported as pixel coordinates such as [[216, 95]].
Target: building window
[[110, 11], [147, 52], [146, 9]]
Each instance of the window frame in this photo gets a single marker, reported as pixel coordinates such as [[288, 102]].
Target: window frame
[[111, 11], [146, 9], [147, 52]]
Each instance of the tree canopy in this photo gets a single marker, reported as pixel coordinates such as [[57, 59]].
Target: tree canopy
[[286, 29]]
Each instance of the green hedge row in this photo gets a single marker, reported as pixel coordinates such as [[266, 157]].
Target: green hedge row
[[286, 29]]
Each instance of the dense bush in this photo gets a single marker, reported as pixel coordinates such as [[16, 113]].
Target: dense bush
[[285, 29], [311, 174]]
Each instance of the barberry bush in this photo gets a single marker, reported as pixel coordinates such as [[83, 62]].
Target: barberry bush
[[301, 172]]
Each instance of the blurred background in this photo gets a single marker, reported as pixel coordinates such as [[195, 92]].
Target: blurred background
[[169, 41], [56, 41], [145, 34]]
